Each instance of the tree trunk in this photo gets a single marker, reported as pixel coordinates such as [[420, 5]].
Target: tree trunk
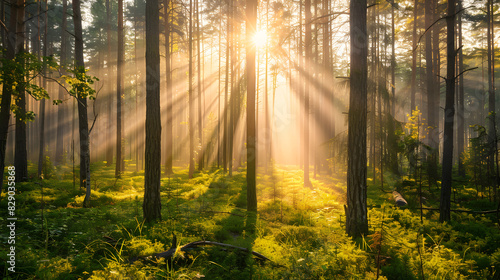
[[461, 104], [449, 116], [61, 112], [41, 157], [191, 96], [200, 111], [152, 202], [356, 212], [119, 92], [431, 106], [251, 28], [109, 87], [169, 93], [83, 124], [308, 57], [21, 154], [413, 90]]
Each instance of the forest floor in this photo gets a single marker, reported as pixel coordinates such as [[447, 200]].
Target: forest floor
[[300, 230]]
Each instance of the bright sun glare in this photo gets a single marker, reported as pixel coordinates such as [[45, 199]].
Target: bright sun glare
[[260, 38]]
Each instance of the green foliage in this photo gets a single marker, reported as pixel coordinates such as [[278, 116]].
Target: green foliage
[[301, 230], [80, 83]]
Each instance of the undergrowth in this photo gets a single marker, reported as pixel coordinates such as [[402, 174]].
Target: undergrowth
[[301, 230]]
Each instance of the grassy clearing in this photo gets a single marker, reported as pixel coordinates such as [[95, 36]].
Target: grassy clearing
[[300, 229]]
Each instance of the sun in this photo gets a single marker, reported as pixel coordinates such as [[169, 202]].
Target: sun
[[260, 38]]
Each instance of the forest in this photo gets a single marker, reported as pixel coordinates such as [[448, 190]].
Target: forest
[[249, 139]]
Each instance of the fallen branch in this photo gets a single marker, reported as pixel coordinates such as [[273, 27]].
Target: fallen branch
[[170, 253]]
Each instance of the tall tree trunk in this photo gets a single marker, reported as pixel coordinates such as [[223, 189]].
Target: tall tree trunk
[[413, 90], [308, 57], [449, 116], [21, 154], [356, 211], [251, 28], [109, 87], [191, 95], [83, 125], [225, 141], [169, 93], [61, 112], [152, 203], [41, 157], [200, 111], [119, 92], [491, 91], [431, 106], [461, 93]]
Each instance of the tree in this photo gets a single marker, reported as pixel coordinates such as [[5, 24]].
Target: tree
[[449, 115], [21, 154], [61, 112], [41, 157], [190, 92], [152, 204], [356, 212], [119, 91], [14, 40], [307, 62], [169, 93], [83, 125], [251, 24]]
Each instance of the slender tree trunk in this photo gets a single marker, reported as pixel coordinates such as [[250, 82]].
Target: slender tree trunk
[[251, 27], [461, 104], [308, 57], [226, 91], [61, 112], [491, 91], [119, 92], [191, 95], [109, 87], [356, 211], [169, 93], [413, 90], [431, 106], [21, 154], [200, 111], [152, 203], [82, 106], [42, 102], [449, 116]]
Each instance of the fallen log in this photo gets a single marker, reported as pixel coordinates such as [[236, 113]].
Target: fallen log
[[398, 198]]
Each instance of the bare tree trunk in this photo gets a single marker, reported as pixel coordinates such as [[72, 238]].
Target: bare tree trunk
[[109, 88], [191, 96], [152, 203], [200, 111], [42, 102], [169, 93], [461, 103], [449, 116], [308, 57], [119, 92], [61, 112], [251, 27], [21, 155], [82, 106], [356, 211]]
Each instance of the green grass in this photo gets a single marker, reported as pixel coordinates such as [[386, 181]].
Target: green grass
[[302, 230]]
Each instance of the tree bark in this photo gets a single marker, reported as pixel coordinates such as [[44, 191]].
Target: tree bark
[[449, 116], [251, 27], [169, 93], [61, 112], [356, 212], [21, 154], [83, 125], [119, 92], [152, 202], [109, 87], [308, 58], [461, 100]]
